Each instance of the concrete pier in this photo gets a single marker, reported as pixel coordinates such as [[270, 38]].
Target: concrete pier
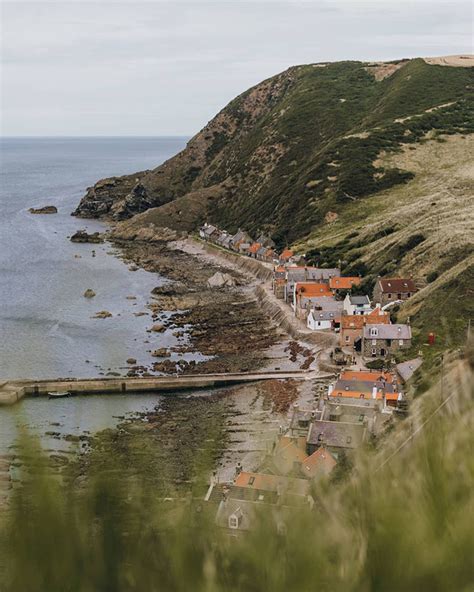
[[14, 390]]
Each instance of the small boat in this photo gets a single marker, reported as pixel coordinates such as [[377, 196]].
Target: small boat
[[58, 395]]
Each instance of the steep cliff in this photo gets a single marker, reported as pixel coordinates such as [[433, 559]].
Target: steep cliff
[[295, 148]]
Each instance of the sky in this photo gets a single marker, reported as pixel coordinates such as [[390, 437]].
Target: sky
[[166, 67]]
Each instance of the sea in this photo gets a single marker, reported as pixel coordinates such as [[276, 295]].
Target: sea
[[47, 327]]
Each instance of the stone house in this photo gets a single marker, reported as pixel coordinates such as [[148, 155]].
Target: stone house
[[303, 292], [341, 285], [389, 290], [335, 436], [297, 274], [352, 327], [279, 282], [240, 237], [382, 341]]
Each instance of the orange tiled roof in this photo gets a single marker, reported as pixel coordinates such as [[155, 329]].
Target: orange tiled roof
[[359, 321], [321, 461], [352, 321], [254, 247], [366, 375], [356, 394], [286, 254], [310, 290], [343, 283]]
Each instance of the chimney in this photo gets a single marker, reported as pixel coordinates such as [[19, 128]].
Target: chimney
[[374, 392], [238, 469]]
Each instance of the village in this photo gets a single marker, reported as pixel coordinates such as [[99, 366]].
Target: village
[[368, 354]]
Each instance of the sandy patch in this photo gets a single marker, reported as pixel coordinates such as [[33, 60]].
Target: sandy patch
[[458, 61]]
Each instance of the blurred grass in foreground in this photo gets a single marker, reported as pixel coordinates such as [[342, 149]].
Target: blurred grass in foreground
[[405, 526]]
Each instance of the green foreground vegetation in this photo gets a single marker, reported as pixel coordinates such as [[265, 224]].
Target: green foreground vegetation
[[400, 522]]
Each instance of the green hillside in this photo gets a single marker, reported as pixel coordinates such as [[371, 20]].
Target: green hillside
[[365, 164]]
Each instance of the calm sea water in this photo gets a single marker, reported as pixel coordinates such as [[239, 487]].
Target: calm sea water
[[46, 329]]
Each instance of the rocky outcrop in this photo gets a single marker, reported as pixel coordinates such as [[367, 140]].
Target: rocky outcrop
[[44, 210], [220, 280], [100, 198], [81, 236], [89, 293]]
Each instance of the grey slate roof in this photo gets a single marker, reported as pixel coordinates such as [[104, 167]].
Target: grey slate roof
[[209, 230], [326, 303], [407, 369], [326, 315], [364, 386], [301, 274], [397, 331], [336, 434], [359, 300], [348, 413]]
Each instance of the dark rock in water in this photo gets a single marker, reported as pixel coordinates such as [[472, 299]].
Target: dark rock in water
[[44, 210], [102, 314], [81, 236], [161, 352], [89, 293], [131, 361]]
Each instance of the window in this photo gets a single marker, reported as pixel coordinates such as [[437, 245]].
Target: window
[[361, 417], [374, 351], [389, 295], [348, 338], [373, 331], [349, 439], [399, 296], [233, 522], [251, 480], [361, 396], [374, 342], [400, 342]]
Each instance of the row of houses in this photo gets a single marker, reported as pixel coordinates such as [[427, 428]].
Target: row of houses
[[262, 248], [324, 300], [359, 404]]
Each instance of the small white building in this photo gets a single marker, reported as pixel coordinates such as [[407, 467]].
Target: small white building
[[357, 305], [319, 320]]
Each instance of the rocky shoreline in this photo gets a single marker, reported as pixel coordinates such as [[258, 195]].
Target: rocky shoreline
[[222, 319]]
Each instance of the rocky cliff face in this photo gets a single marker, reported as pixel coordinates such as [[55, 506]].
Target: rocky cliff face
[[291, 153], [193, 169]]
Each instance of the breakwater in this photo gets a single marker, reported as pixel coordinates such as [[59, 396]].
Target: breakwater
[[13, 391]]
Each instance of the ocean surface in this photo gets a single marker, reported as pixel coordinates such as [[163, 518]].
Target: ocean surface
[[46, 329]]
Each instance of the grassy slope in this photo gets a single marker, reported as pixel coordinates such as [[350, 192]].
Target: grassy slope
[[320, 163], [374, 234]]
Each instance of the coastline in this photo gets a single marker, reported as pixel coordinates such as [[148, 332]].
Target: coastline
[[227, 324]]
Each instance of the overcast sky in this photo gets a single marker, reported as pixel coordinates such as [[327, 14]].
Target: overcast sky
[[166, 67]]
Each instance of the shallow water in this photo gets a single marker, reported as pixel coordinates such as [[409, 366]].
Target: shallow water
[[70, 416], [46, 329]]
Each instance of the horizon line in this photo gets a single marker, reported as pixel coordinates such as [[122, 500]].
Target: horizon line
[[71, 136]]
